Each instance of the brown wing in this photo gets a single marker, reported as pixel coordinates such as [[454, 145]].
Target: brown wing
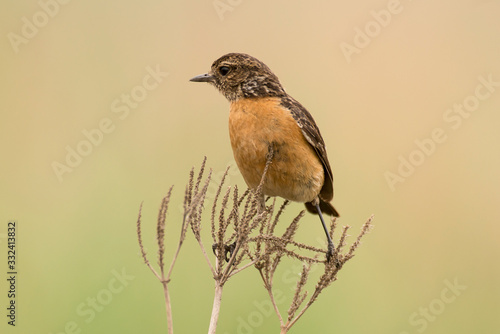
[[311, 132]]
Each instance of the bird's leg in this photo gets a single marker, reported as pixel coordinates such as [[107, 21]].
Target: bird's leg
[[331, 246]]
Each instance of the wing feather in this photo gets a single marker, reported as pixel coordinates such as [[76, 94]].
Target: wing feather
[[311, 133]]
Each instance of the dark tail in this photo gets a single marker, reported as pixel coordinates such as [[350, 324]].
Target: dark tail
[[325, 207]]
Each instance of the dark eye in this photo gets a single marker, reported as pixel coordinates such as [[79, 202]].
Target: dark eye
[[224, 70]]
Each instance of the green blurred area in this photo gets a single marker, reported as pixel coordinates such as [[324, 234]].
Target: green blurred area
[[77, 231]]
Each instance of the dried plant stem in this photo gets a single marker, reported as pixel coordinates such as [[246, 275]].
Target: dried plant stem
[[193, 206], [290, 323], [235, 243], [215, 308], [184, 227], [161, 277], [143, 252], [268, 286], [168, 308], [249, 264], [243, 235], [274, 249], [205, 255]]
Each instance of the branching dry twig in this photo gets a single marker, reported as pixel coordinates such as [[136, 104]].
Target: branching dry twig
[[234, 243], [331, 268], [193, 206], [242, 229]]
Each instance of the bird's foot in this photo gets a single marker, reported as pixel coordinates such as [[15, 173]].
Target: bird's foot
[[331, 255], [228, 249]]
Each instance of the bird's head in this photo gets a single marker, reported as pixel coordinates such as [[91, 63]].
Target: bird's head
[[238, 75]]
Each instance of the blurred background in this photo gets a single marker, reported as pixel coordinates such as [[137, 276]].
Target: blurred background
[[98, 115]]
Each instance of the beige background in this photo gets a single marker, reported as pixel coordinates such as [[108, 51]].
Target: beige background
[[76, 233]]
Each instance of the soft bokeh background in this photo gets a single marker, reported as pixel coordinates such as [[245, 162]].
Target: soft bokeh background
[[437, 228]]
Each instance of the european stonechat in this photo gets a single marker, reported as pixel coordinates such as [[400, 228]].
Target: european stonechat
[[264, 118]]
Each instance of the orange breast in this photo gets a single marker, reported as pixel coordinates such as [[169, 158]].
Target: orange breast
[[296, 172]]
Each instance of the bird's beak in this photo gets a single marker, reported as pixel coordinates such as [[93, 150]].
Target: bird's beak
[[203, 78]]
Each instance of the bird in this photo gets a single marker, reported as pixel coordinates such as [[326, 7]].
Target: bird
[[264, 119]]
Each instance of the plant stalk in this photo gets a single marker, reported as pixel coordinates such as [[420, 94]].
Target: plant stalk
[[215, 308], [168, 308]]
